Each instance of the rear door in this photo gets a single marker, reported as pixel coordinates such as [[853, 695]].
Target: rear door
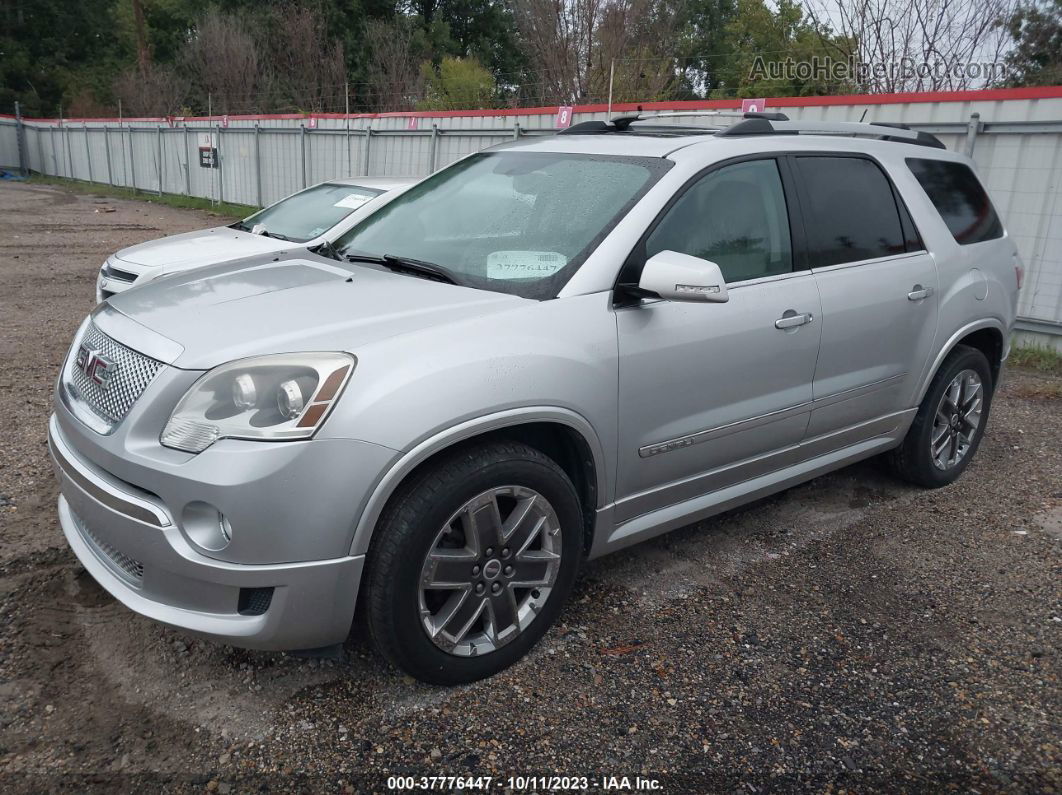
[[878, 288]]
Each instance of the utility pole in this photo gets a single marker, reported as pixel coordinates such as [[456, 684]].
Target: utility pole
[[611, 76]]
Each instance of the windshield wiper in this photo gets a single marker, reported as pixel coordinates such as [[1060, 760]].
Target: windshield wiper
[[277, 235], [241, 226], [326, 249], [416, 267]]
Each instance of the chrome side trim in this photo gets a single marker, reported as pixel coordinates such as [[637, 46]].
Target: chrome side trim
[[762, 419], [103, 493], [840, 266], [856, 391], [822, 455], [708, 434]]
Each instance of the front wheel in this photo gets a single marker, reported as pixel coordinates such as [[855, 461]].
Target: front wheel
[[950, 422], [472, 562]]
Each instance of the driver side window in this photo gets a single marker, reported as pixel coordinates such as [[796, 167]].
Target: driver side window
[[736, 217]]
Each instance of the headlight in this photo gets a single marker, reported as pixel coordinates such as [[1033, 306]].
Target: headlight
[[273, 398]]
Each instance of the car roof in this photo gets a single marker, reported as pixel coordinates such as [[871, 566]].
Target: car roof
[[631, 144], [680, 142], [377, 183]]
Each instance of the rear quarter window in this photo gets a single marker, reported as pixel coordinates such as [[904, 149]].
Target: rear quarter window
[[959, 198]]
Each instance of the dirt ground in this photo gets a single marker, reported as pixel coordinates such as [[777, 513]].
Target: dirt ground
[[850, 634]]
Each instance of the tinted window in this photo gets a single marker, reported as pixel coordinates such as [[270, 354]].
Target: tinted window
[[959, 198], [735, 217], [852, 214]]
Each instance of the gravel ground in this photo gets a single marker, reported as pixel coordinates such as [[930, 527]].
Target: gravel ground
[[849, 634]]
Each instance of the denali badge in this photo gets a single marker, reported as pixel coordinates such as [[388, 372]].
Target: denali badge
[[95, 365]]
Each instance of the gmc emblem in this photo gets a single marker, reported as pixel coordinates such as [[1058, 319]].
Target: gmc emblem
[[96, 366]]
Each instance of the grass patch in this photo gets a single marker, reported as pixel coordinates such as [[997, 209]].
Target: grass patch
[[234, 211], [1043, 360]]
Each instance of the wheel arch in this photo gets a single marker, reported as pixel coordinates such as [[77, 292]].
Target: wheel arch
[[988, 336], [563, 435]]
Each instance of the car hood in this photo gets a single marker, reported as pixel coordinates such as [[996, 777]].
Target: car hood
[[204, 247], [294, 302]]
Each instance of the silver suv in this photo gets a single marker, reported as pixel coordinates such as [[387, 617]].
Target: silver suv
[[548, 351]]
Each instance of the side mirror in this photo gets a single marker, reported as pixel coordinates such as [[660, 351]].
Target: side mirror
[[680, 277]]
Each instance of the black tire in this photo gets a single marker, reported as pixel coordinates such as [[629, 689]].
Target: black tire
[[912, 460], [407, 531]]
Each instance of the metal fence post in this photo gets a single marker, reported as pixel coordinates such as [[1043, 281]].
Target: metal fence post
[[187, 164], [433, 152], [107, 149], [221, 170], [132, 161], [55, 152], [158, 131], [302, 152], [366, 149], [972, 128], [258, 163], [20, 141], [516, 131], [88, 151], [40, 148], [69, 159]]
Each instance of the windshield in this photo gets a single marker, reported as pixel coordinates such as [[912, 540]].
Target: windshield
[[310, 213], [510, 221]]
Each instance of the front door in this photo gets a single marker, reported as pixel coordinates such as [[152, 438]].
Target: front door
[[710, 393]]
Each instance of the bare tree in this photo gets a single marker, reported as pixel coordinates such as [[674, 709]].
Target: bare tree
[[151, 91], [394, 76], [918, 45], [222, 60], [306, 65], [573, 44], [630, 36], [558, 38]]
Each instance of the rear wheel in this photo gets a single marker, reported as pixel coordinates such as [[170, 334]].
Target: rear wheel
[[472, 562], [950, 422]]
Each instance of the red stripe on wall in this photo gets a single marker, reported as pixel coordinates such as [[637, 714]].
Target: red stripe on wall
[[983, 95]]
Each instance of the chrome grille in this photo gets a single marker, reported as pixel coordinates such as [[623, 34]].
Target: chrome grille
[[129, 569], [133, 373]]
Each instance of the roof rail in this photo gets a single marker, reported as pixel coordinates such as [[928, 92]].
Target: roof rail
[[623, 123], [900, 133]]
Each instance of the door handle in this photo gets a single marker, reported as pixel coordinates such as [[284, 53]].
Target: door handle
[[791, 319], [918, 292]]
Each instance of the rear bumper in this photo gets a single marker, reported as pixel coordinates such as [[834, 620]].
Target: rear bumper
[[129, 542]]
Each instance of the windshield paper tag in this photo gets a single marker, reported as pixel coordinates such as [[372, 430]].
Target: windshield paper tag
[[352, 201], [524, 264]]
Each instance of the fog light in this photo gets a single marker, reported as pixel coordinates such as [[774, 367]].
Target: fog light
[[206, 526]]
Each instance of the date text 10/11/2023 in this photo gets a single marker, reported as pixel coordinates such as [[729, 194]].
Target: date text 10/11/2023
[[526, 783]]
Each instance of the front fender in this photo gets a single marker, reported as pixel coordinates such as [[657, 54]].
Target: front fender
[[390, 480]]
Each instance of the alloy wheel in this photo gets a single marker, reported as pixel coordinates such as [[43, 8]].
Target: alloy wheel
[[957, 420], [489, 570]]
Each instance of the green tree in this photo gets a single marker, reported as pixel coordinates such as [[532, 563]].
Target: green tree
[[779, 53], [457, 83], [1036, 59], [704, 48], [56, 52]]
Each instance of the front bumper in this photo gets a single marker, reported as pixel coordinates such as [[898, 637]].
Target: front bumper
[[132, 543]]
